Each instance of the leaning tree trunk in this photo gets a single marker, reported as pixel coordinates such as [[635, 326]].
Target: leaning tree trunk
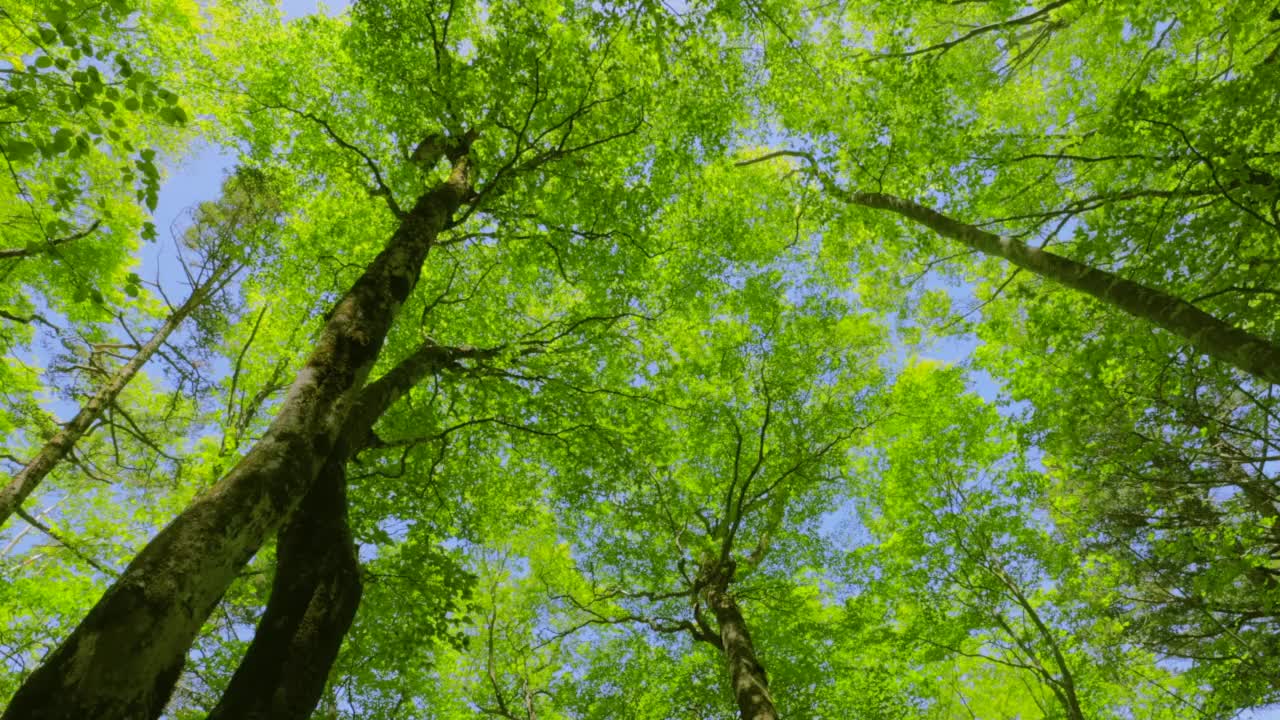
[[750, 684], [123, 659], [314, 597], [1209, 335], [317, 586], [29, 477]]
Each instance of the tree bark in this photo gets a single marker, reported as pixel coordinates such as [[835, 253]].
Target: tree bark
[[1209, 335], [750, 685], [314, 598], [1254, 354], [123, 659], [38, 468], [317, 586]]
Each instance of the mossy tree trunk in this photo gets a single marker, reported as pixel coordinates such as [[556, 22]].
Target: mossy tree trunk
[[123, 659]]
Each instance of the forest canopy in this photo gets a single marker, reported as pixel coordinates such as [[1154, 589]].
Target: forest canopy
[[552, 359]]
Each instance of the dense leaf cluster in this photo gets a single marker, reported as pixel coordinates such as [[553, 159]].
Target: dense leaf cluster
[[563, 359]]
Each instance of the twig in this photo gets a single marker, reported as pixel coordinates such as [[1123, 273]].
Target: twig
[[64, 543]]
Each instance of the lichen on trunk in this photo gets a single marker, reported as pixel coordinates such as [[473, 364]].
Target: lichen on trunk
[[314, 598], [317, 587], [750, 683]]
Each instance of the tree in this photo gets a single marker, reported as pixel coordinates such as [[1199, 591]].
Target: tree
[[722, 489], [1145, 158], [152, 613], [963, 556], [89, 107], [317, 585], [1169, 491], [1211, 336], [245, 210], [1049, 171], [542, 397]]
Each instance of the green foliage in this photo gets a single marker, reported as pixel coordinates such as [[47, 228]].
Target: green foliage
[[87, 106], [976, 573], [680, 365]]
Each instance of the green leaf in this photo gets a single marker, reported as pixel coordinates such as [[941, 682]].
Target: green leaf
[[19, 150], [62, 140]]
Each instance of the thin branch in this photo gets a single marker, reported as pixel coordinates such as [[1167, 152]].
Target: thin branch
[[27, 252], [65, 543], [943, 47], [381, 188]]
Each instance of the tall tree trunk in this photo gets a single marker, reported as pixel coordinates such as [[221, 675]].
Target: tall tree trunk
[[29, 477], [1209, 335], [317, 587], [123, 659], [750, 685], [314, 597], [1256, 355]]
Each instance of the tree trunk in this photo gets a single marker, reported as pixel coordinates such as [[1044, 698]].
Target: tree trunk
[[1216, 338], [123, 659], [314, 597], [750, 685], [317, 587], [25, 482]]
